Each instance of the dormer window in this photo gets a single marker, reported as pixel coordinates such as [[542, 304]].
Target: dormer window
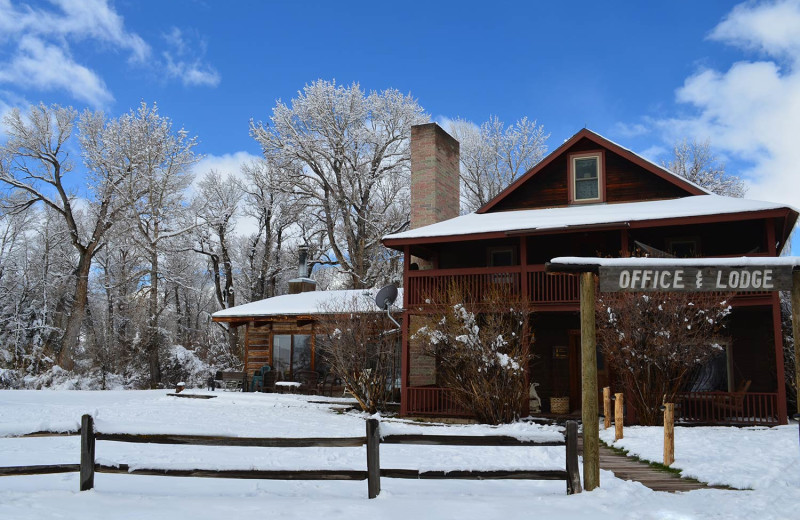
[[586, 177]]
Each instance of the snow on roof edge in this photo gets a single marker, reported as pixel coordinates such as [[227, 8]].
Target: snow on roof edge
[[306, 303]]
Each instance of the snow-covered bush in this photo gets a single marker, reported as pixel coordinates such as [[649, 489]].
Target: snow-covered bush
[[481, 351], [654, 341], [182, 364]]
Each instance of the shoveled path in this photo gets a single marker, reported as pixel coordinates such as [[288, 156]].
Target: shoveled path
[[627, 468]]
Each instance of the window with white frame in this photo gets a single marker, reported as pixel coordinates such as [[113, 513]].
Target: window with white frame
[[586, 177]]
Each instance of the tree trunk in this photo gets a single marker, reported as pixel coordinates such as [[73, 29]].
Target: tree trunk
[[154, 336], [77, 311]]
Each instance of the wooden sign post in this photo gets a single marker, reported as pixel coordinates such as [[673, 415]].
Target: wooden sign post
[[796, 331], [589, 412]]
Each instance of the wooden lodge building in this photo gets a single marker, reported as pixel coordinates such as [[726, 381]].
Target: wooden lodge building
[[588, 198]]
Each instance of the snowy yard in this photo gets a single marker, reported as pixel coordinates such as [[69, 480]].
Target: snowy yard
[[765, 460]]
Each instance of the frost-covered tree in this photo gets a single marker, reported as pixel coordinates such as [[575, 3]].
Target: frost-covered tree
[[495, 155], [161, 159], [219, 200], [346, 155], [696, 162], [36, 164], [274, 211]]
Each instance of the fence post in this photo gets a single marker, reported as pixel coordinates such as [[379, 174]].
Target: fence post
[[373, 458], [87, 453], [669, 433], [573, 475], [619, 404], [606, 407]]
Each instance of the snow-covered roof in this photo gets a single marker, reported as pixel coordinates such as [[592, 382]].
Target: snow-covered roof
[[741, 261], [587, 214], [307, 303]]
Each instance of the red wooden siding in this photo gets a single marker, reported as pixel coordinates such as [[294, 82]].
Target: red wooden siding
[[625, 182]]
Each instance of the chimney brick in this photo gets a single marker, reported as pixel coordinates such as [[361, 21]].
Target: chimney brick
[[434, 175]]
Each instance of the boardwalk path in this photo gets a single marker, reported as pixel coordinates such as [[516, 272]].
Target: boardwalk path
[[627, 468]]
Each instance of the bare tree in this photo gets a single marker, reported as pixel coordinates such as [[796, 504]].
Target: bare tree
[[481, 350], [219, 201], [696, 162], [493, 156], [275, 211], [155, 198], [654, 341], [347, 157], [35, 163]]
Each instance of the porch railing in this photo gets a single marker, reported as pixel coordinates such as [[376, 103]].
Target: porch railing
[[744, 409], [425, 287], [433, 401]]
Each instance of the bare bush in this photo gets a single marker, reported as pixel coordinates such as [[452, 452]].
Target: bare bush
[[361, 347], [654, 341], [481, 351]]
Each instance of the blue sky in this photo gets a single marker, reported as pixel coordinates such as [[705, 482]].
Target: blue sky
[[641, 73]]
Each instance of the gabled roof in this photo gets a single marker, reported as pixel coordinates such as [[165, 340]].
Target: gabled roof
[[677, 180], [626, 214]]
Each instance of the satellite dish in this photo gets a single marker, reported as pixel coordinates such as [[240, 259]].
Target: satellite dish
[[386, 296]]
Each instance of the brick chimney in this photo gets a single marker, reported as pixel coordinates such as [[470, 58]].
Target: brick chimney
[[434, 175]]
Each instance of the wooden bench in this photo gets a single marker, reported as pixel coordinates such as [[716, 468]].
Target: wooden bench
[[231, 380]]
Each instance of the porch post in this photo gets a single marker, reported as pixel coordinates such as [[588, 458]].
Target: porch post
[[404, 359], [796, 331], [783, 416], [525, 292], [589, 415]]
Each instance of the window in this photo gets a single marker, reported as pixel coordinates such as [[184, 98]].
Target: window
[[501, 256], [586, 172], [291, 353]]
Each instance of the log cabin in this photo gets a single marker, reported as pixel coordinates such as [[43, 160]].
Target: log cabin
[[588, 198]]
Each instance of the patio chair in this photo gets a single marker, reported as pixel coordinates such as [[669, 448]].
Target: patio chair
[[268, 383], [308, 380], [326, 385], [258, 378]]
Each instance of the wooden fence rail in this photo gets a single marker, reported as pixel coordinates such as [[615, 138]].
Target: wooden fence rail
[[88, 467]]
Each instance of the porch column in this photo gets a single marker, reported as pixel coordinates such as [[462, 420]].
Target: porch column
[[777, 330], [525, 295], [404, 356]]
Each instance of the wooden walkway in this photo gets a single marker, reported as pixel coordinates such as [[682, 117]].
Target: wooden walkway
[[627, 468]]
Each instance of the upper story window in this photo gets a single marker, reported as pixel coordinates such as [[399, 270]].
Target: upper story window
[[586, 177]]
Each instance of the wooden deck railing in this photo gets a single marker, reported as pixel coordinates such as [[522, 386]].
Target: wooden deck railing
[[427, 286], [730, 408], [433, 401]]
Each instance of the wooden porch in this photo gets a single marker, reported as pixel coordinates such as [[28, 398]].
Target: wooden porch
[[523, 283], [698, 408]]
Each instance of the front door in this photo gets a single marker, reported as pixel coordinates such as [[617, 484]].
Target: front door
[[575, 378]]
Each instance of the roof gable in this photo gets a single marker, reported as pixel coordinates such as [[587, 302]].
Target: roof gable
[[629, 177]]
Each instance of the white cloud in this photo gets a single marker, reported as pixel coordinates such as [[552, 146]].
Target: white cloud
[[44, 66], [225, 164], [183, 60], [78, 19], [772, 28], [751, 112]]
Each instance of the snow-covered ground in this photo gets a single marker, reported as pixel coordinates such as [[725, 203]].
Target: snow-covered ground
[[765, 460]]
